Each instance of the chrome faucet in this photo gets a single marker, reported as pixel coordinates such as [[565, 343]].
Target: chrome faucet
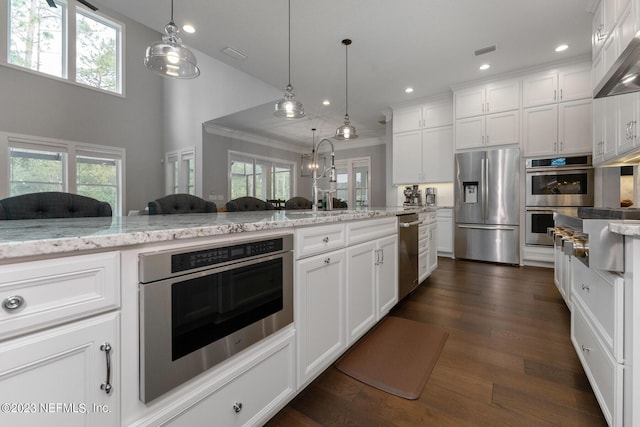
[[332, 176]]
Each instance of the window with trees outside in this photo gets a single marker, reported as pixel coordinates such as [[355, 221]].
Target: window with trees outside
[[40, 38], [37, 165], [260, 177], [354, 181], [180, 171]]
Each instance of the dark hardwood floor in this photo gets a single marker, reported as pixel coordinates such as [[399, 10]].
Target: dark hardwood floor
[[508, 360]]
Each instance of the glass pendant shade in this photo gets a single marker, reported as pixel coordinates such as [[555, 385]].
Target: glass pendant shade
[[169, 57], [346, 131], [288, 107]]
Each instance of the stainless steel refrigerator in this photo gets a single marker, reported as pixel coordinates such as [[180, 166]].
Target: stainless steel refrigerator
[[487, 201]]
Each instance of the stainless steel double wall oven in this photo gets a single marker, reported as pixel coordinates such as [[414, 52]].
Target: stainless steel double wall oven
[[556, 184], [201, 305]]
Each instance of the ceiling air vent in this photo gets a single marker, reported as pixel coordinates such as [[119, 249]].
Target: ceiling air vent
[[485, 50], [235, 54]]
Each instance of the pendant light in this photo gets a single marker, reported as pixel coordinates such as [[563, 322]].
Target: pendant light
[[169, 57], [288, 107], [307, 162], [346, 131]]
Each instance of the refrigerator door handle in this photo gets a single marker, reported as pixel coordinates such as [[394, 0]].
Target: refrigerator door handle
[[488, 227], [483, 187]]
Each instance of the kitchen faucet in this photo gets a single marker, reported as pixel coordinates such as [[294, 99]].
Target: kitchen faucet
[[332, 176]]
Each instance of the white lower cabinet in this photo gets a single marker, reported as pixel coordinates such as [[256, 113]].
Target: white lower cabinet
[[445, 231], [60, 376], [251, 396], [427, 245], [319, 312]]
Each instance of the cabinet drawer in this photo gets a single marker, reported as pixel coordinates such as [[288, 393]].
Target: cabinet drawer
[[367, 230], [423, 245], [428, 217], [605, 375], [423, 232], [248, 399], [316, 240], [57, 290], [423, 266], [601, 296]]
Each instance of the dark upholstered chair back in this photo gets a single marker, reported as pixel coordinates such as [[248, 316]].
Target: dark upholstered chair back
[[339, 204], [180, 204], [248, 204], [297, 203], [52, 204]]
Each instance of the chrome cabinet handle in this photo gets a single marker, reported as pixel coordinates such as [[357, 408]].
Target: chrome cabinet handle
[[585, 349], [585, 288], [561, 94], [237, 407], [106, 386], [555, 146], [487, 107], [600, 35], [326, 240], [12, 303], [381, 251], [555, 93], [327, 261], [561, 148]]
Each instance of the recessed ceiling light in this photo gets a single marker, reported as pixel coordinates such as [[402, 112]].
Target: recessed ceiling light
[[485, 67], [326, 102], [188, 28], [562, 47], [409, 90]]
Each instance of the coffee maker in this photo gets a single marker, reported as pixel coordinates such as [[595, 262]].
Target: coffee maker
[[430, 196], [412, 196]]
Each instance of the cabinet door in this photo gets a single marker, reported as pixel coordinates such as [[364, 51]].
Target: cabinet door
[[54, 377], [387, 274], [437, 154], [470, 102], [627, 26], [575, 129], [627, 122], [407, 119], [433, 246], [502, 96], [539, 89], [470, 133], [598, 70], [361, 296], [437, 114], [610, 50], [502, 128], [540, 130], [445, 231], [575, 83], [597, 29], [319, 317], [407, 157]]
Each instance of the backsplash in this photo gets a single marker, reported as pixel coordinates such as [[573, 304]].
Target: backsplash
[[444, 197]]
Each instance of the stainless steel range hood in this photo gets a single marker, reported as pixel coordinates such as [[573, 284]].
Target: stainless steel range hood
[[624, 75]]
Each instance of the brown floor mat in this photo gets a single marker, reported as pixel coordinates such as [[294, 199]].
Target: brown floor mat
[[396, 356]]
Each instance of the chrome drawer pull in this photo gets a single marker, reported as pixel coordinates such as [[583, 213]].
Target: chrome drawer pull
[[327, 261], [237, 407], [586, 349], [585, 287], [326, 240], [12, 303], [106, 386]]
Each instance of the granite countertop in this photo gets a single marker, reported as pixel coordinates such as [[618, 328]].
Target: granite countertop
[[626, 227], [24, 238]]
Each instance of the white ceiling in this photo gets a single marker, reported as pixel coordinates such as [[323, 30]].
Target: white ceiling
[[425, 44]]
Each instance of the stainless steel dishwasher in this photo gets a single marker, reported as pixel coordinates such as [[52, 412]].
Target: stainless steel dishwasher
[[407, 254]]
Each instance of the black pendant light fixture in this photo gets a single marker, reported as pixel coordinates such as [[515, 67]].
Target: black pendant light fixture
[[287, 107], [169, 57], [346, 131]]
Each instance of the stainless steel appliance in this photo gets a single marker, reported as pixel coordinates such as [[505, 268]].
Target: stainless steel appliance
[[407, 254], [199, 306], [559, 181], [558, 184], [430, 194], [487, 213], [412, 196]]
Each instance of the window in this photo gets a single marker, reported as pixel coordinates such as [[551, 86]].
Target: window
[[37, 165], [260, 177], [180, 171], [353, 181], [40, 38]]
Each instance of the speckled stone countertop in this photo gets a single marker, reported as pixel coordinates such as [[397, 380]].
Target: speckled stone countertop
[[24, 238], [625, 227]]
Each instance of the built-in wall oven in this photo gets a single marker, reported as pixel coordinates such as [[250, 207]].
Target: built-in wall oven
[[556, 184], [199, 306]]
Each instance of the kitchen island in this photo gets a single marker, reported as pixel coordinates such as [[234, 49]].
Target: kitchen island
[[69, 327]]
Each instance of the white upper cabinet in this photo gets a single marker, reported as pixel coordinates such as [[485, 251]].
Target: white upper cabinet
[[424, 116], [567, 84], [604, 22], [488, 131], [487, 99]]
